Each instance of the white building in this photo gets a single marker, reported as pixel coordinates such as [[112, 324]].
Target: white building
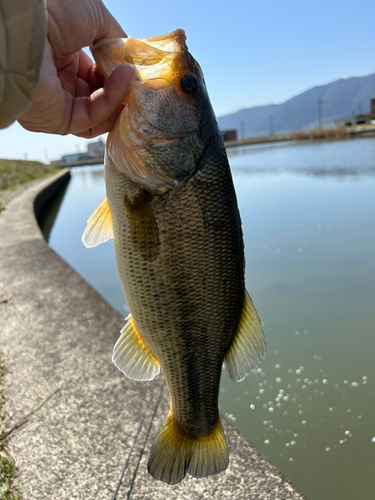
[[96, 149]]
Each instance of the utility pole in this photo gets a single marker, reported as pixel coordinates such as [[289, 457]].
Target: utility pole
[[320, 102], [271, 125], [242, 123]]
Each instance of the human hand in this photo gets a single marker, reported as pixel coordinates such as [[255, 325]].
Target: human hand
[[71, 98]]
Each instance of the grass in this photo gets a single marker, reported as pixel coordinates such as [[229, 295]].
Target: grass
[[313, 135], [322, 133], [8, 469], [18, 175], [15, 172]]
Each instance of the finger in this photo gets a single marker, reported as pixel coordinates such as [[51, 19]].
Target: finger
[[102, 128], [113, 28], [89, 112], [83, 89], [75, 24], [87, 70], [96, 77], [85, 63]]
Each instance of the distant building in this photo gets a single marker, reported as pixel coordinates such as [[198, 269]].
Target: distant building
[[229, 135], [73, 157], [351, 121], [360, 119], [96, 149]]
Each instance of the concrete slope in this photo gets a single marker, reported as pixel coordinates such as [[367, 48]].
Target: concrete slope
[[75, 422]]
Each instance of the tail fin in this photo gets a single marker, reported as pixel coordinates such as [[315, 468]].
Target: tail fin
[[173, 453]]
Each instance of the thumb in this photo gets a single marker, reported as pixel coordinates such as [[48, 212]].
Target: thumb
[[97, 113]]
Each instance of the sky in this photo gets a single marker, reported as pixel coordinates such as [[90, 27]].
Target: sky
[[252, 53]]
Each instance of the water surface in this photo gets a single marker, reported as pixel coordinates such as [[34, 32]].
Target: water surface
[[308, 214]]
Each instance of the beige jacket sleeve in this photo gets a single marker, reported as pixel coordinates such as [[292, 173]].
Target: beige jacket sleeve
[[22, 38]]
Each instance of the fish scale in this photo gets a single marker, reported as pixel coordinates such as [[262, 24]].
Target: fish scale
[[165, 303]]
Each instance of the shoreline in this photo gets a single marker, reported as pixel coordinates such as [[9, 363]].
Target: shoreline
[[309, 136]]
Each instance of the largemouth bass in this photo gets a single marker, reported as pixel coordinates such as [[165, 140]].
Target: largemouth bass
[[171, 209]]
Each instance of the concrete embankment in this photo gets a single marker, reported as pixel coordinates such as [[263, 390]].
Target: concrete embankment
[[74, 422]]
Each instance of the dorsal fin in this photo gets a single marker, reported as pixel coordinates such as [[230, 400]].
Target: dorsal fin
[[249, 345], [99, 226], [131, 355]]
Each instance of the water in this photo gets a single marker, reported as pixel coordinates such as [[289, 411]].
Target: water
[[308, 213]]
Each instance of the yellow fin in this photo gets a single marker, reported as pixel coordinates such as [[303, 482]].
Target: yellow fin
[[173, 454], [131, 355], [143, 227], [249, 345], [99, 226]]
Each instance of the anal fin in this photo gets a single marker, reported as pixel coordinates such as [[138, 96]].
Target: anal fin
[[249, 345], [131, 355]]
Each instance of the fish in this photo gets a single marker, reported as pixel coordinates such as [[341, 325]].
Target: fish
[[171, 209]]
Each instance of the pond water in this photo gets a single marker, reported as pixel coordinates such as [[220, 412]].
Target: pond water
[[308, 214]]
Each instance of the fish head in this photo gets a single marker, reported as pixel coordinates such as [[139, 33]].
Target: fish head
[[167, 121]]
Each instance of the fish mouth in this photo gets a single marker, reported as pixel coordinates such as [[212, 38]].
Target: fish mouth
[[153, 58], [159, 61]]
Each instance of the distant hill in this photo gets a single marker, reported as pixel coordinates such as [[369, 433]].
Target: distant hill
[[339, 99]]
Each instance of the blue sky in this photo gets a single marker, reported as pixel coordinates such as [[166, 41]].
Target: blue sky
[[252, 53]]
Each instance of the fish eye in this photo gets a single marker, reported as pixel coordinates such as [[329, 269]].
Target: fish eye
[[189, 84]]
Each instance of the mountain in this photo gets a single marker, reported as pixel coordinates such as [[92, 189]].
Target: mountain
[[339, 100]]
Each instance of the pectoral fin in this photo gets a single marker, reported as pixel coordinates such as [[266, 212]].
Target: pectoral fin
[[249, 345], [99, 226], [131, 355], [143, 227]]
